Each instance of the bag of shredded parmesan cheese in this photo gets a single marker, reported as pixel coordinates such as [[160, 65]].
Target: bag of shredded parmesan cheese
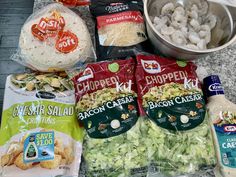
[[40, 135], [177, 135], [120, 28], [107, 107]]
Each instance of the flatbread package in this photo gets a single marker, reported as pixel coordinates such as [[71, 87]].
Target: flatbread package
[[53, 39], [177, 134], [40, 135], [107, 107]]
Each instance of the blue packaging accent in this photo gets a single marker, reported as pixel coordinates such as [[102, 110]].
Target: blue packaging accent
[[227, 143], [39, 147], [213, 85]]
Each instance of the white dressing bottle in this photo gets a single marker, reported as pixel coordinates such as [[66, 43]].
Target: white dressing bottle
[[222, 114], [31, 149]]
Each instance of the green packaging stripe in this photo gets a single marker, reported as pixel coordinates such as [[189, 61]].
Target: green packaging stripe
[[40, 114]]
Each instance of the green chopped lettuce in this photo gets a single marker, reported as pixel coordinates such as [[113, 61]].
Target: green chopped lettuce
[[176, 153], [146, 145], [115, 156]]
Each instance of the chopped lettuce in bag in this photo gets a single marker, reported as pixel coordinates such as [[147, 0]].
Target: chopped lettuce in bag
[[40, 135], [176, 153], [122, 155], [178, 138], [107, 106]]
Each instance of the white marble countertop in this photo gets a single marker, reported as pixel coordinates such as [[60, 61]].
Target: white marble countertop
[[222, 63]]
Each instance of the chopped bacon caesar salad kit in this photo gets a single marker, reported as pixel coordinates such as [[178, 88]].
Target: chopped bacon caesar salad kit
[[112, 111], [169, 92], [106, 97]]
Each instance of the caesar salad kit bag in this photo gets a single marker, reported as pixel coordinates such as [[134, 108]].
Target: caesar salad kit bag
[[106, 104], [178, 136], [120, 28], [40, 135], [54, 38]]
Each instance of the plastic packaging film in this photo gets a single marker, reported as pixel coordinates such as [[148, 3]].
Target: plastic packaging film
[[50, 40], [40, 135]]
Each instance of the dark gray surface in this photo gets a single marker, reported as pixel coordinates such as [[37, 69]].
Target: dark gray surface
[[13, 14]]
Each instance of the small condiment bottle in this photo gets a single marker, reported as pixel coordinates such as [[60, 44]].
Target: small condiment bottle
[[222, 114]]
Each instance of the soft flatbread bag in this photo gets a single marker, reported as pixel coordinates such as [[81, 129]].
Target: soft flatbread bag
[[53, 39], [40, 135]]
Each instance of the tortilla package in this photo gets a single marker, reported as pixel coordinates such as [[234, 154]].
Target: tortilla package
[[40, 135], [107, 107], [178, 137], [54, 39], [120, 28]]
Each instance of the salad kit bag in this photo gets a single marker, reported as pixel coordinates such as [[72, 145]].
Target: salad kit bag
[[40, 135], [106, 104], [54, 38], [120, 29], [178, 137]]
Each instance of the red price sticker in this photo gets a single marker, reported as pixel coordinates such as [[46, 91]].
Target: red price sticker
[[37, 33], [42, 25], [67, 42], [62, 22], [52, 25]]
